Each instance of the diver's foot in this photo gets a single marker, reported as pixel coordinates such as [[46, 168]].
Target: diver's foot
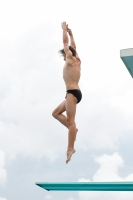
[[69, 154]]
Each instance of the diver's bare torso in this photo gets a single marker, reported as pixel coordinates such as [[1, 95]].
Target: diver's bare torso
[[71, 72]]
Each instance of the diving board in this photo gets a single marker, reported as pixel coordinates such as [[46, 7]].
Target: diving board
[[127, 57], [87, 186]]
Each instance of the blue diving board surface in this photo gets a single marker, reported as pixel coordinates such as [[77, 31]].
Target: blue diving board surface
[[127, 57], [87, 186]]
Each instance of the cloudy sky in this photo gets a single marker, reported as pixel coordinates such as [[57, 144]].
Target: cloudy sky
[[32, 143]]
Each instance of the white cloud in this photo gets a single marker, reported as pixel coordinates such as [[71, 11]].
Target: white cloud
[[105, 195], [109, 166], [108, 171], [1, 198], [3, 174]]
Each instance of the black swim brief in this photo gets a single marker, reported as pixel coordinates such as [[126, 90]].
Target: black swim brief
[[77, 93]]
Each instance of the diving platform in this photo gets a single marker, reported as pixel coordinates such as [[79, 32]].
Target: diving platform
[[87, 186], [127, 57]]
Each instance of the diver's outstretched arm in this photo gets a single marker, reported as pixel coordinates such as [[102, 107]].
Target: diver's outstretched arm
[[73, 44]]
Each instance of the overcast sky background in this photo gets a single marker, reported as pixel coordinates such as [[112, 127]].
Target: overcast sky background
[[32, 143]]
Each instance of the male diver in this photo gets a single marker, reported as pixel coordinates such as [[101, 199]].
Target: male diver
[[71, 76]]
